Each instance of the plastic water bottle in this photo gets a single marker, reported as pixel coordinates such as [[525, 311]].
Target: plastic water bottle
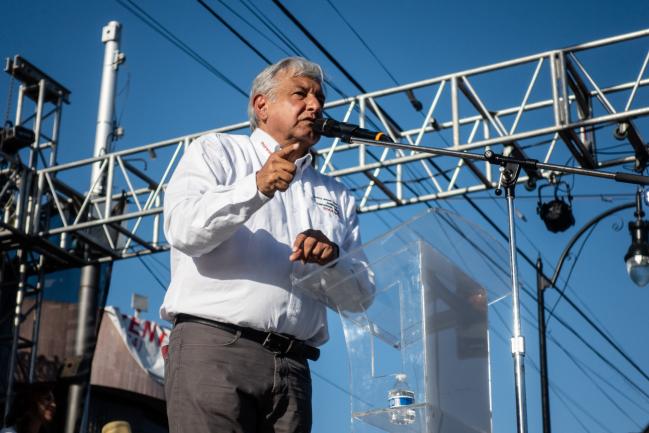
[[400, 397]]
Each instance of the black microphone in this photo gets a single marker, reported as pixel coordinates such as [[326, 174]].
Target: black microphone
[[346, 131]]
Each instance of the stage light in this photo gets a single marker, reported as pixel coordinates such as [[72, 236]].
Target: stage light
[[637, 257], [556, 214]]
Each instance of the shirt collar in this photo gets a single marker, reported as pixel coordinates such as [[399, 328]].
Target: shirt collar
[[265, 144]]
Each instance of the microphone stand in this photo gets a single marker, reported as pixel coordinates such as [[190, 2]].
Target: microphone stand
[[509, 171]]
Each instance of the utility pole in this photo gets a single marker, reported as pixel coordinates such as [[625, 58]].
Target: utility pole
[[86, 335]]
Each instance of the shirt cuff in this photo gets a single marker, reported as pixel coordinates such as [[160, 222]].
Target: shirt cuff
[[250, 190]]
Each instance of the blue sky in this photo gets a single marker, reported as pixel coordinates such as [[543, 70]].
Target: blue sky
[[163, 94]]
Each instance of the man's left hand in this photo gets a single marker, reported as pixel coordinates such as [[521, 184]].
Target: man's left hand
[[312, 246]]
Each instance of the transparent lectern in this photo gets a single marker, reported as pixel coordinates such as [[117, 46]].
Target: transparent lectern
[[413, 305]]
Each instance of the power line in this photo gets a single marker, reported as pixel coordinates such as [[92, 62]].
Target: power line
[[592, 348], [161, 264], [612, 386], [315, 42], [552, 384], [271, 26], [168, 35], [363, 42], [391, 123], [572, 268], [339, 388], [589, 321], [232, 30], [563, 295], [255, 50], [526, 258], [597, 385], [283, 37], [559, 393], [579, 364], [120, 3], [268, 61], [255, 29], [155, 277]]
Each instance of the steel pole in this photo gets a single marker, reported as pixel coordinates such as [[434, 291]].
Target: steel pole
[[112, 59], [541, 284], [517, 340], [86, 333], [84, 343]]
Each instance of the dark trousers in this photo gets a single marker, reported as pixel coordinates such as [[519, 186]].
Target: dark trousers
[[217, 382]]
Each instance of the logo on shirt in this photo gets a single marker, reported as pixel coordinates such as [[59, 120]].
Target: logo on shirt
[[327, 205]]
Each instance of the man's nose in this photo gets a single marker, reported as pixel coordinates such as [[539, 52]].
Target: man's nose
[[314, 104]]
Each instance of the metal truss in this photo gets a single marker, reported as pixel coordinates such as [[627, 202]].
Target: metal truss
[[564, 102], [24, 256], [551, 106]]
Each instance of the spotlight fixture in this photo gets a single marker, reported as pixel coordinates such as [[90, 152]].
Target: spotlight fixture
[[556, 214], [637, 257]]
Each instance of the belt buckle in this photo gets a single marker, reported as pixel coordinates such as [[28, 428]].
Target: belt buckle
[[278, 343]]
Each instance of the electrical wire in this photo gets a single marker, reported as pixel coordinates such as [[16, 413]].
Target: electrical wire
[[233, 31], [315, 42], [574, 332], [263, 57], [565, 296], [148, 268], [350, 27], [553, 387], [566, 286], [169, 36], [161, 264], [392, 125], [280, 34], [271, 26], [608, 339], [581, 368], [155, 277], [338, 387], [591, 347], [572, 267], [254, 28], [612, 386], [120, 2], [579, 364]]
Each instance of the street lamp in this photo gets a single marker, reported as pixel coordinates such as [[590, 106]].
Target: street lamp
[[637, 258]]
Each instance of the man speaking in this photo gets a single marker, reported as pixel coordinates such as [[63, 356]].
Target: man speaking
[[242, 213]]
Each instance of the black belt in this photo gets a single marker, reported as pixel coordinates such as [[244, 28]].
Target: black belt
[[273, 341]]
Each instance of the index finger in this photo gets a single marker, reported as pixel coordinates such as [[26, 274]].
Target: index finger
[[289, 153], [299, 239]]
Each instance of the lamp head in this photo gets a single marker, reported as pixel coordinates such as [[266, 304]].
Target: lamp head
[[637, 257]]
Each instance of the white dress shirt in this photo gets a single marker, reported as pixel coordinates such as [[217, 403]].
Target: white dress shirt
[[231, 243]]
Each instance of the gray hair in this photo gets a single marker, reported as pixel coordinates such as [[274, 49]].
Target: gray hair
[[264, 83]]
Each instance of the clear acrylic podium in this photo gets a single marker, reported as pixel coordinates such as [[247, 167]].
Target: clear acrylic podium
[[414, 302]]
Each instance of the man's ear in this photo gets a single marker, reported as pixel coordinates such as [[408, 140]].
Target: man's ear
[[259, 103]]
